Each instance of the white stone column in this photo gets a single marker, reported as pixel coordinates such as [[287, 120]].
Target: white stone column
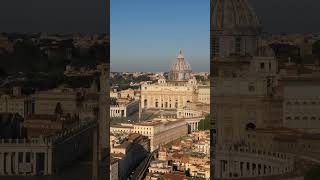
[[24, 158], [245, 173], [45, 163], [227, 169], [240, 169], [34, 163], [270, 170], [8, 163], [224, 169], [16, 163], [50, 161], [1, 163]]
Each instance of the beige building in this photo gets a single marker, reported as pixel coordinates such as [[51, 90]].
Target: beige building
[[124, 107], [129, 152], [301, 102], [46, 101], [159, 130], [204, 94], [244, 74], [254, 98], [15, 103], [168, 94], [160, 166], [176, 92]]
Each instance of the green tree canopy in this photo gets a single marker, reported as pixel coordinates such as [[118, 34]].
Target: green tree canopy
[[204, 124]]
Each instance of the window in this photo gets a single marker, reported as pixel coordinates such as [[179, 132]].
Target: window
[[238, 46], [262, 66], [269, 66], [251, 87], [145, 103]]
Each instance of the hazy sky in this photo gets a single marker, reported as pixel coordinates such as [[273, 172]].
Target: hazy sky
[[146, 34]]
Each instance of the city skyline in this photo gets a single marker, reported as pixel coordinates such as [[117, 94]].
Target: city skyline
[[154, 38]]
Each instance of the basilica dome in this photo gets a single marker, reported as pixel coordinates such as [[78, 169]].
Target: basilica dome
[[180, 70], [235, 29], [234, 15]]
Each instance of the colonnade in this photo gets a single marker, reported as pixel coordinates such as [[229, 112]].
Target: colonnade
[[25, 163], [244, 163], [193, 126], [118, 111], [234, 169]]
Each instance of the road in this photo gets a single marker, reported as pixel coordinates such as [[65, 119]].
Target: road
[[141, 170]]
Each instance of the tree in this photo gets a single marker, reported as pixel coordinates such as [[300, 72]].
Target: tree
[[199, 78], [204, 124]]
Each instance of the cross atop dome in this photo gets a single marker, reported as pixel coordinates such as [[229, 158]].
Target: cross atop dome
[[180, 70], [180, 56]]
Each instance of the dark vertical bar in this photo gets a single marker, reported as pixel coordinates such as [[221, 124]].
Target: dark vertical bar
[[213, 128]]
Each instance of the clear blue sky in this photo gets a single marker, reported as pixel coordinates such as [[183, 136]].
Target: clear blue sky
[[146, 34]]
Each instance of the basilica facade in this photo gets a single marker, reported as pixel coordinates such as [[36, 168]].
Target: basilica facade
[[181, 88]]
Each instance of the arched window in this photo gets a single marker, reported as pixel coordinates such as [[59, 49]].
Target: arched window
[[238, 46], [262, 66], [145, 103], [250, 126]]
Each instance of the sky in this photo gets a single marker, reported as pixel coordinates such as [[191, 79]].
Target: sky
[[146, 35], [167, 25]]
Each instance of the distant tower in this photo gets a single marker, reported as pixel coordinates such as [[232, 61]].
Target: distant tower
[[162, 153], [180, 70]]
